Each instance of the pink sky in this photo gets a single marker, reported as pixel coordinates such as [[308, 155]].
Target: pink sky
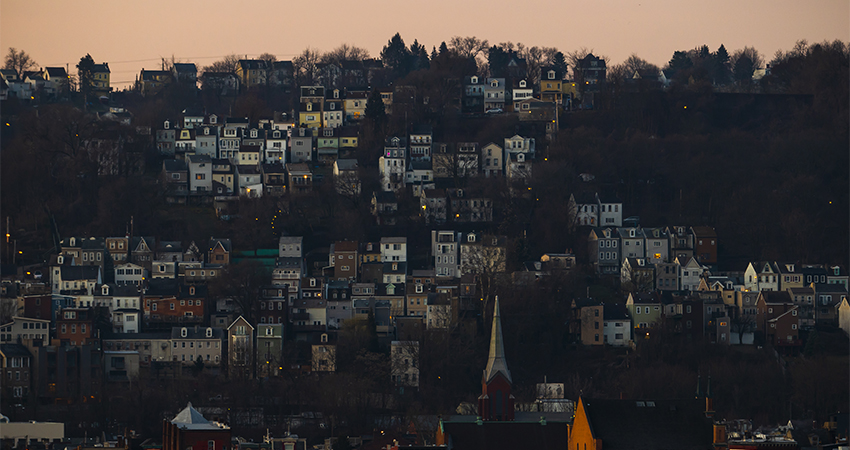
[[135, 35]]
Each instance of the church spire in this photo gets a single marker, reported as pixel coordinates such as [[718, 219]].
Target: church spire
[[496, 360]]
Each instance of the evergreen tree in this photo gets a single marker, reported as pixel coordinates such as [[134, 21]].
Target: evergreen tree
[[721, 65], [396, 56], [375, 111], [85, 70], [560, 63]]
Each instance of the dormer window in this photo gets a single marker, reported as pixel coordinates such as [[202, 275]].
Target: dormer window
[[269, 331], [209, 332], [191, 290], [104, 290], [522, 83], [418, 288], [309, 106], [336, 94], [494, 83], [324, 337], [333, 106], [473, 80], [206, 131], [183, 332], [551, 74], [253, 133]]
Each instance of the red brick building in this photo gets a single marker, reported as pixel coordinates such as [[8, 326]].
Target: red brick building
[[190, 430]]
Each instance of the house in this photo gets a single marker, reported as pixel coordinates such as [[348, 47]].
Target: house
[[404, 364], [344, 260], [645, 310], [323, 354], [705, 245], [393, 249], [761, 276], [610, 210], [804, 298], [16, 368], [420, 142], [467, 206], [354, 105], [333, 114], [439, 313], [310, 115], [200, 173], [520, 90], [100, 79], [666, 276], [26, 330], [616, 326], [604, 251], [76, 279], [192, 343], [483, 254], [240, 349], [828, 297], [273, 179], [784, 329], [420, 176], [657, 246], [473, 95], [252, 72], [632, 240], [275, 147], [637, 275], [223, 176], [681, 242], [86, 251], [689, 272], [270, 349], [445, 248], [327, 144], [347, 177], [130, 273], [301, 146], [249, 180], [184, 73], [518, 170], [589, 74], [770, 305], [175, 175], [151, 82], [76, 326], [550, 84], [300, 178], [218, 253], [190, 430], [384, 206], [392, 164], [583, 210], [493, 160], [494, 94]]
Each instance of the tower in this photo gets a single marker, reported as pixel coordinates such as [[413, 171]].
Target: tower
[[496, 401]]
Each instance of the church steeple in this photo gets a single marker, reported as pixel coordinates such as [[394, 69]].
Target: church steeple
[[496, 401], [496, 360]]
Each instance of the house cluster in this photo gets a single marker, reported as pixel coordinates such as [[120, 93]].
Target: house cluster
[[210, 158], [671, 281], [136, 303], [48, 83]]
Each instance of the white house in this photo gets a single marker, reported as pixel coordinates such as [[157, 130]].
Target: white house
[[393, 249]]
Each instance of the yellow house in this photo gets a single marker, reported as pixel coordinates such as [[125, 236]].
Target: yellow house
[[310, 116], [100, 79], [550, 85], [251, 72]]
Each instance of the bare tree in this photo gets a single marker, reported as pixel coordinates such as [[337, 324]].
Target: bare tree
[[305, 67], [634, 64], [534, 58], [19, 61], [486, 260], [345, 52], [228, 64], [468, 47], [742, 324]]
